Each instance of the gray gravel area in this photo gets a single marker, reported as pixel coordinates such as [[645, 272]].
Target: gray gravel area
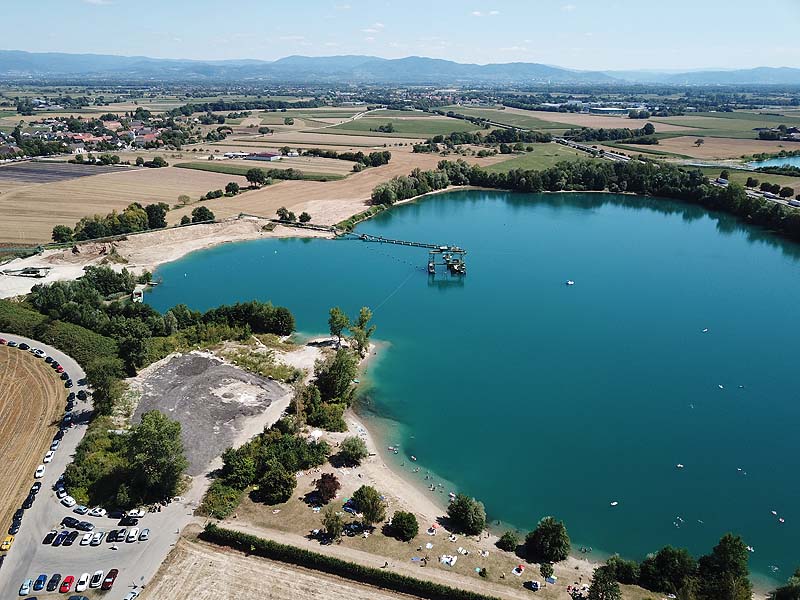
[[214, 403]]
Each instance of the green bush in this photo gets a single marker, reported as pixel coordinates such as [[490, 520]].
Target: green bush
[[508, 541], [220, 500], [404, 526], [467, 514], [16, 318], [382, 578]]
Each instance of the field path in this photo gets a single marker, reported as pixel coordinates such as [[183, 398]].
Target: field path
[[31, 402]]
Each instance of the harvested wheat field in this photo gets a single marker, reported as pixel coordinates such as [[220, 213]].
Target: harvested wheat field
[[596, 121], [28, 214], [714, 147], [197, 571], [32, 399]]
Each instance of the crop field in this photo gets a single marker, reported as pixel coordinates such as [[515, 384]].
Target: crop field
[[328, 173], [729, 125], [740, 177], [50, 172], [543, 156], [29, 212], [719, 147], [32, 398], [403, 127], [322, 138], [522, 119]]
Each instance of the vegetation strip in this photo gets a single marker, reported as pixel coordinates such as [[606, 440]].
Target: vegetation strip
[[250, 544]]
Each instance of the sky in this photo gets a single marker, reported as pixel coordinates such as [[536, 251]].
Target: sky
[[579, 34]]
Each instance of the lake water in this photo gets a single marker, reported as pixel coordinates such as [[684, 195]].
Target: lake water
[[540, 398], [791, 161]]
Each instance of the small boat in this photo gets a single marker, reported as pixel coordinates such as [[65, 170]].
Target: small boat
[[720, 386], [431, 268], [774, 513], [679, 466], [750, 549], [705, 330], [781, 520], [614, 503], [570, 282], [414, 458]]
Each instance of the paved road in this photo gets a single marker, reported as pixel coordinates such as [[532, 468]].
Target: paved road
[[137, 562]]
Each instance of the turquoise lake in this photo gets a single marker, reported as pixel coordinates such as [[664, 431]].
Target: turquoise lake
[[791, 161], [545, 399]]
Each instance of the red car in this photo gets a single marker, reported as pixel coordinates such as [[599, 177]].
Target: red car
[[66, 584], [2, 341], [59, 369], [111, 577]]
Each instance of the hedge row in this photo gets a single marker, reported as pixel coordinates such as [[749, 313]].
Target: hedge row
[[80, 343], [382, 578]]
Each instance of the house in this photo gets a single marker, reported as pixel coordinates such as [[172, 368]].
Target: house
[[266, 156], [77, 149], [293, 153]]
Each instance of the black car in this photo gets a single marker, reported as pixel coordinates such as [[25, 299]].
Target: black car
[[70, 539], [54, 364], [65, 376], [48, 539], [81, 393], [59, 434], [18, 514], [60, 538], [67, 420], [24, 346], [14, 529], [37, 485], [53, 583], [129, 521], [48, 359], [70, 522], [82, 381], [85, 526], [68, 383], [29, 501], [69, 407]]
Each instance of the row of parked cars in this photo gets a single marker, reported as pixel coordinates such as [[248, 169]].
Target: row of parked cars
[[92, 537], [96, 580]]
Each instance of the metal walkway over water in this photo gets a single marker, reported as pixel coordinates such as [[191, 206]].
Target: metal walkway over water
[[449, 257]]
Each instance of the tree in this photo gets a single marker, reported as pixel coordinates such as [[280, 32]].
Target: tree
[[699, 142], [185, 220], [184, 199], [201, 214], [362, 331], [508, 541], [786, 192], [751, 182], [353, 450], [546, 569], [724, 574], [624, 571], [332, 523], [404, 526], [276, 485], [370, 504], [305, 217], [288, 121], [790, 591], [648, 129], [232, 188], [264, 130], [338, 322], [62, 234], [139, 161], [239, 468], [256, 177], [669, 570], [283, 213], [104, 374], [725, 174], [467, 515], [334, 376], [327, 486], [549, 541], [156, 215], [156, 456], [604, 586]]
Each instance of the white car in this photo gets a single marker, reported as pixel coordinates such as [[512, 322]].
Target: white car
[[80, 509], [25, 588], [145, 535], [87, 537], [68, 501], [96, 580], [49, 456], [131, 595], [39, 472], [98, 512], [133, 534], [38, 352], [61, 492], [83, 583], [137, 513], [98, 537], [54, 445]]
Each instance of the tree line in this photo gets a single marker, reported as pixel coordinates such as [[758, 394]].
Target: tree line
[[373, 159], [590, 134], [234, 105], [133, 219], [496, 136]]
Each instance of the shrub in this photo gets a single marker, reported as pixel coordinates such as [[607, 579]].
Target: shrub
[[353, 450], [220, 500], [549, 541], [404, 526], [332, 523], [508, 541], [467, 514], [276, 485]]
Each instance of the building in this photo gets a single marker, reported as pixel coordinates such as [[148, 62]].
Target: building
[[265, 156]]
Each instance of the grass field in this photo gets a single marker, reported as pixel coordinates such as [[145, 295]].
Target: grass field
[[425, 127], [32, 399], [740, 177], [509, 117], [242, 169], [737, 125], [715, 147], [542, 157]]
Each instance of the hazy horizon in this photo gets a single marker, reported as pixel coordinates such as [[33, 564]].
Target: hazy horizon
[[575, 34]]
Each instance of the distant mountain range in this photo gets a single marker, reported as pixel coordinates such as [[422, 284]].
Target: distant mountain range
[[413, 70]]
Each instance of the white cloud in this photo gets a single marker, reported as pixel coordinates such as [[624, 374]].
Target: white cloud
[[568, 7], [480, 13], [292, 38], [374, 28], [343, 7], [493, 13], [97, 2], [369, 39]]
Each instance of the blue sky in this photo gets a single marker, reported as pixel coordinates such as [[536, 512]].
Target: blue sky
[[583, 34]]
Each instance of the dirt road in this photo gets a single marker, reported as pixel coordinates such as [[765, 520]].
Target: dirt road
[[32, 399]]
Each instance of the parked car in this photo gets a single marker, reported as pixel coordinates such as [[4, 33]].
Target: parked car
[[48, 359], [66, 584], [59, 368], [130, 521], [18, 514], [68, 501], [97, 579], [64, 374], [25, 588], [133, 535], [24, 346], [7, 543], [80, 509], [97, 538], [54, 445], [70, 522], [28, 502], [85, 539], [69, 407], [37, 485], [53, 583], [38, 352], [14, 528], [51, 535], [145, 535], [129, 596], [3, 341], [48, 456], [39, 472], [68, 383], [39, 583], [111, 577], [121, 534], [82, 393], [59, 434], [60, 538], [83, 582], [70, 539], [61, 492], [97, 512], [85, 526]]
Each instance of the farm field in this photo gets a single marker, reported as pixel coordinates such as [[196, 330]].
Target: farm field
[[719, 148], [50, 172], [32, 398], [322, 138], [29, 212], [403, 127], [740, 177], [312, 170], [738, 125], [543, 156], [513, 118]]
